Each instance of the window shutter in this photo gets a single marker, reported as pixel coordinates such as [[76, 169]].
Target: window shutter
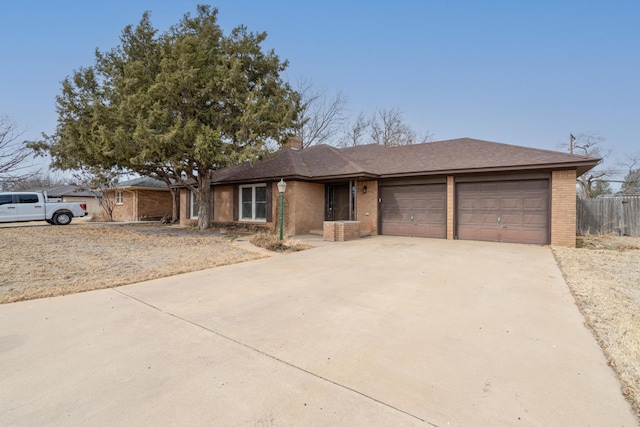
[[236, 201], [187, 211], [268, 204]]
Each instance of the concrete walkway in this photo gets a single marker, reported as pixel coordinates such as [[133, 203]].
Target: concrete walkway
[[381, 331]]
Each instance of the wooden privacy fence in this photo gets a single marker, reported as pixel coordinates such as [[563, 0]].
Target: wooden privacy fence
[[616, 214]]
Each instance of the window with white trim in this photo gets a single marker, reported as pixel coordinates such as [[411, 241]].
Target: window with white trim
[[119, 197], [193, 205], [253, 202]]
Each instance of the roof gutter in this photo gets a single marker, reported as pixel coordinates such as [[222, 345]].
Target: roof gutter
[[580, 167]]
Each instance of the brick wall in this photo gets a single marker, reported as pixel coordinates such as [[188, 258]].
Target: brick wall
[[304, 207], [126, 210], [154, 203], [451, 197], [223, 203], [340, 231], [184, 220], [367, 206], [563, 208]]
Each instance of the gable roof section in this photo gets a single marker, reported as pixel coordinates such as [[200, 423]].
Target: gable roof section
[[463, 155], [143, 183], [69, 191], [318, 162]]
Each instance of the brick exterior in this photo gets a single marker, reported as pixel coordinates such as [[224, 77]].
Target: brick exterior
[[185, 214], [563, 208], [304, 207], [367, 206], [451, 212], [140, 204], [126, 210], [340, 231], [223, 203], [154, 203]]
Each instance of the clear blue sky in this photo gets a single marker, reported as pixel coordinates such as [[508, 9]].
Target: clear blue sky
[[520, 72]]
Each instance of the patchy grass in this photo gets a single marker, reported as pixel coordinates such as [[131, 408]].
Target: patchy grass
[[44, 261], [603, 274], [273, 243], [607, 241]]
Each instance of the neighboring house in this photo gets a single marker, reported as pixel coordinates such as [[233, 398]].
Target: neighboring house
[[141, 199], [456, 189], [71, 193]]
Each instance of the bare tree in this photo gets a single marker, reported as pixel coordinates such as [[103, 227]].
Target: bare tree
[[320, 118], [389, 128], [356, 132], [103, 184], [631, 181], [42, 180], [590, 145], [14, 166]]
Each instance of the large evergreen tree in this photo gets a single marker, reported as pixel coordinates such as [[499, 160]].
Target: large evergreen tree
[[175, 105]]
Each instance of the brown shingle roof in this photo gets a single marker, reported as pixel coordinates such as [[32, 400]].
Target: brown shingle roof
[[320, 161], [462, 155]]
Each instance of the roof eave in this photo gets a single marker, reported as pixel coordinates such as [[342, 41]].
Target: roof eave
[[580, 167]]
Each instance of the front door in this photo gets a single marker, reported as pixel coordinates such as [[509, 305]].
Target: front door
[[336, 202]]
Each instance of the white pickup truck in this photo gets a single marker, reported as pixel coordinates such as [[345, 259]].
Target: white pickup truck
[[34, 206]]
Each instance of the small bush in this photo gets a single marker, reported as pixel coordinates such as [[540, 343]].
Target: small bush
[[273, 243]]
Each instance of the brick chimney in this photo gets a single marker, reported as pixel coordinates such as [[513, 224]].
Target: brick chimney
[[292, 142]]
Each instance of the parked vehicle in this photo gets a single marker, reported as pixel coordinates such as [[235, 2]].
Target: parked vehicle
[[33, 206]]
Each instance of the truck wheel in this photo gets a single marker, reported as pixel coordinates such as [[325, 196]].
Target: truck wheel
[[62, 218]]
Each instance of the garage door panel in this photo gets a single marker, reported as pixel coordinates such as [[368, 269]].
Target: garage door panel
[[512, 203], [521, 207], [487, 203], [537, 203], [414, 210], [537, 220], [512, 220]]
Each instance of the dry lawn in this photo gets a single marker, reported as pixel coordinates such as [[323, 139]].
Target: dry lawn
[[603, 274], [48, 261]]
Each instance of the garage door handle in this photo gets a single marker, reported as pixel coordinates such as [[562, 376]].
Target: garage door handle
[[499, 220]]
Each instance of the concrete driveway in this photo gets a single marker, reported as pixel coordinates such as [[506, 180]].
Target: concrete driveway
[[380, 331]]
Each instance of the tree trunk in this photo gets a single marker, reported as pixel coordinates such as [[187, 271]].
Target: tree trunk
[[204, 201], [175, 207]]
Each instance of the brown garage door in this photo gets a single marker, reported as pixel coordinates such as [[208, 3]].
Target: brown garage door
[[414, 210], [507, 211]]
